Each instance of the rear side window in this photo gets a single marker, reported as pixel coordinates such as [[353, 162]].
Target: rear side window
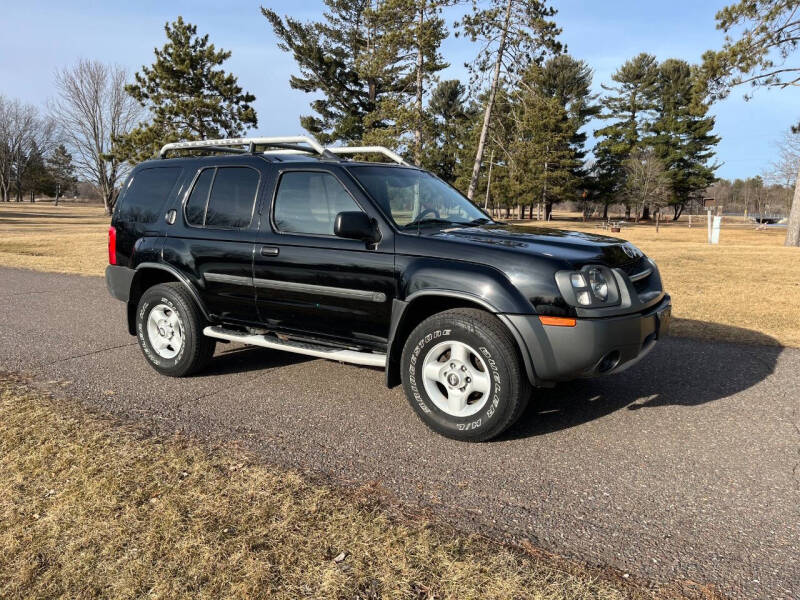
[[223, 198], [308, 202], [147, 193], [198, 199]]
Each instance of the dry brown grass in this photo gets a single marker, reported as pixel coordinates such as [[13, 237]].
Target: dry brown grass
[[746, 289], [66, 239], [90, 508]]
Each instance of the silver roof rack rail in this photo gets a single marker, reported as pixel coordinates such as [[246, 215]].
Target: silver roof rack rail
[[368, 150], [283, 145], [314, 145]]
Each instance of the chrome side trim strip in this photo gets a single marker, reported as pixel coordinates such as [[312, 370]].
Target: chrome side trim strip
[[368, 359], [642, 275], [223, 278], [323, 290]]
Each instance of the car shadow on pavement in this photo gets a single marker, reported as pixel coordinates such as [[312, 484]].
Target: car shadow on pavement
[[241, 359], [679, 371]]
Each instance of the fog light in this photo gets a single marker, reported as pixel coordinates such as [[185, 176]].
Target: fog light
[[609, 362]]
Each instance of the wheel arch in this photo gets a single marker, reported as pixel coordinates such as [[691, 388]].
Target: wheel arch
[[149, 274], [407, 314]]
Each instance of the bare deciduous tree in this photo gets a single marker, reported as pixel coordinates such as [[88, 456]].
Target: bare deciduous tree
[[646, 182], [24, 136], [784, 169], [93, 109]]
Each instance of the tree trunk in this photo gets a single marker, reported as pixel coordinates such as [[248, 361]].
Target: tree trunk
[[627, 212], [487, 115], [646, 212], [605, 212], [107, 202], [793, 226], [678, 208], [418, 102], [548, 210]]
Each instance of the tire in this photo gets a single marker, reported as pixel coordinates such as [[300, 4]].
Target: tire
[[466, 347], [174, 314]]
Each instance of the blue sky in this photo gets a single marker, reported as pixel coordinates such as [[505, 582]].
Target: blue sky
[[40, 36]]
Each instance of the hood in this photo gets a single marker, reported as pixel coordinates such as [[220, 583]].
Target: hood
[[571, 246]]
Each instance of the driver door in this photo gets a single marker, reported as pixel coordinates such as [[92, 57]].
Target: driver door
[[311, 282]]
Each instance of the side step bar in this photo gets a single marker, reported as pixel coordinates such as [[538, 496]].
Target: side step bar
[[369, 359]]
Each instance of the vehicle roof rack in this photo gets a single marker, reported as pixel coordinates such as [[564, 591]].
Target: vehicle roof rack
[[286, 142], [368, 150], [282, 145]]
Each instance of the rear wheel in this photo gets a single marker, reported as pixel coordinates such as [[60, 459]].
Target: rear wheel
[[169, 327], [463, 376]]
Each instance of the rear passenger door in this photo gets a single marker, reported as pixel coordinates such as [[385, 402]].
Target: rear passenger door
[[310, 281], [216, 241]]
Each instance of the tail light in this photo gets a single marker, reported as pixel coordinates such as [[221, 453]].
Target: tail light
[[112, 245]]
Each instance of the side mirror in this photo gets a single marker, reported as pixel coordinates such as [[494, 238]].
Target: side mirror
[[355, 225]]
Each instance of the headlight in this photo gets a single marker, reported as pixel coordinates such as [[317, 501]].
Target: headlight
[[592, 286], [599, 284]]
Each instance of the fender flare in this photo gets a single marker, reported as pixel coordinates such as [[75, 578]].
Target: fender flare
[[180, 277], [394, 347]]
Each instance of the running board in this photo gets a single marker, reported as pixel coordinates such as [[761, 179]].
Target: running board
[[369, 359]]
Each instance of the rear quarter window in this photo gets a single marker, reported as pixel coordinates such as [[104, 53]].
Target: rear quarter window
[[223, 198], [147, 193]]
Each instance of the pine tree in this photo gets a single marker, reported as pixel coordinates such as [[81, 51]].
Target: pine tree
[[35, 179], [543, 160], [374, 63], [424, 38], [681, 134], [629, 105], [408, 36], [569, 80], [345, 58], [514, 33], [188, 95], [451, 120], [62, 171]]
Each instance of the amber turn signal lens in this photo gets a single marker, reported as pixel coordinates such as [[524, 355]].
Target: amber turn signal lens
[[558, 321]]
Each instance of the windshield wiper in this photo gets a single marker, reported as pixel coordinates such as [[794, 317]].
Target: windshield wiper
[[434, 221], [479, 221]]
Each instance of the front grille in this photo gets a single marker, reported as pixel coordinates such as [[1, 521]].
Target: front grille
[[638, 271]]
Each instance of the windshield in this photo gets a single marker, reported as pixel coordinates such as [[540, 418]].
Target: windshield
[[413, 198]]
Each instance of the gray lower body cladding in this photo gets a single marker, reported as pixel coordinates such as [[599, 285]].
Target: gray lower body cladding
[[593, 346], [118, 281]]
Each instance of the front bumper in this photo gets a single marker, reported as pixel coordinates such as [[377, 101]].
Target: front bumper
[[593, 346]]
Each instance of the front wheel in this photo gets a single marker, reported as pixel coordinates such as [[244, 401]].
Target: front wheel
[[169, 327], [463, 376]]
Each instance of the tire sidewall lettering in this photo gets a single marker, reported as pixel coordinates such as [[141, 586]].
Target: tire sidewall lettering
[[489, 413], [144, 342]]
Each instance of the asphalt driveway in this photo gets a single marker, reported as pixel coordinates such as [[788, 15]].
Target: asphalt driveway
[[686, 466]]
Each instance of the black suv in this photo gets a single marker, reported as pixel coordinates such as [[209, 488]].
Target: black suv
[[281, 243]]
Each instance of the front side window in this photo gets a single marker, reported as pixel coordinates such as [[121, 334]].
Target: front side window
[[308, 202], [146, 194], [412, 198], [223, 198]]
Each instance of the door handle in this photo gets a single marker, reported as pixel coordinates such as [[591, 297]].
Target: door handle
[[269, 251], [170, 216]]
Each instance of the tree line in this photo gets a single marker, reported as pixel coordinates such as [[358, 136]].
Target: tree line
[[513, 135]]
